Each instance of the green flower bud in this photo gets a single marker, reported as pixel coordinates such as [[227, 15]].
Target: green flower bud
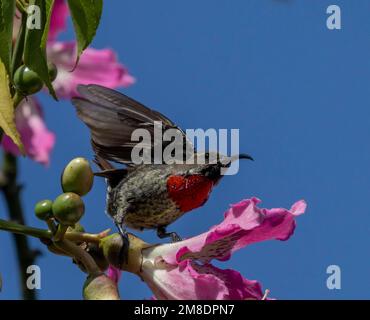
[[100, 287], [27, 81], [77, 177], [43, 210], [68, 208], [112, 246], [53, 71]]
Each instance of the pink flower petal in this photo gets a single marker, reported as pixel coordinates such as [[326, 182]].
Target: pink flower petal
[[95, 66], [192, 281], [244, 224], [36, 138], [58, 19], [182, 270], [237, 287]]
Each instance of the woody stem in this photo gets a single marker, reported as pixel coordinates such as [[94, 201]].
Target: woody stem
[[11, 191]]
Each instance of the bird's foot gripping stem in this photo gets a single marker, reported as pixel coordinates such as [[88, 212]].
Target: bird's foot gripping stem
[[162, 233], [125, 244]]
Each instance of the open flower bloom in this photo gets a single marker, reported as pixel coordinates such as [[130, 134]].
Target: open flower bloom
[[182, 270], [58, 21], [95, 66], [99, 66], [38, 141]]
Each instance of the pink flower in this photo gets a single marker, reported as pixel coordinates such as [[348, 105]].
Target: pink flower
[[182, 270], [58, 21], [38, 141], [95, 66]]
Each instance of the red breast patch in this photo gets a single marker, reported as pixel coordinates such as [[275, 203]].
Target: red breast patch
[[189, 192]]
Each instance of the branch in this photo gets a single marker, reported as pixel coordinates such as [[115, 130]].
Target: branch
[[47, 234], [11, 191], [80, 255]]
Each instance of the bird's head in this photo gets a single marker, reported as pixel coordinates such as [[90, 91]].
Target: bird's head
[[213, 164]]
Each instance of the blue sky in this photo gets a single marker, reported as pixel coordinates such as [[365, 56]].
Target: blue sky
[[298, 92]]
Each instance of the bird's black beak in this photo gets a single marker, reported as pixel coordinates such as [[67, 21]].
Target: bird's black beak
[[245, 156], [237, 157]]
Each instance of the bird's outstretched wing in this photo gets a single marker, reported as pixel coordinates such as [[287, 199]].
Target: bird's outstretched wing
[[112, 117]]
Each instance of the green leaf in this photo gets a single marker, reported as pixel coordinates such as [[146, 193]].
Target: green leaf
[[49, 10], [34, 55], [7, 11], [7, 122], [86, 16]]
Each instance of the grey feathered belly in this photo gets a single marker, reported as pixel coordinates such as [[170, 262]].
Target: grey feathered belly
[[141, 201], [151, 216]]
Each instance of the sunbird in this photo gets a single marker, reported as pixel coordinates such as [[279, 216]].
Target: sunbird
[[144, 196]]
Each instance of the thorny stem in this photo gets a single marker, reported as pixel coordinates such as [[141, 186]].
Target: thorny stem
[[11, 191]]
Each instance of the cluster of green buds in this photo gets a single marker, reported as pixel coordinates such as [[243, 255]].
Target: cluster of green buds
[[68, 208], [63, 216], [93, 253]]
